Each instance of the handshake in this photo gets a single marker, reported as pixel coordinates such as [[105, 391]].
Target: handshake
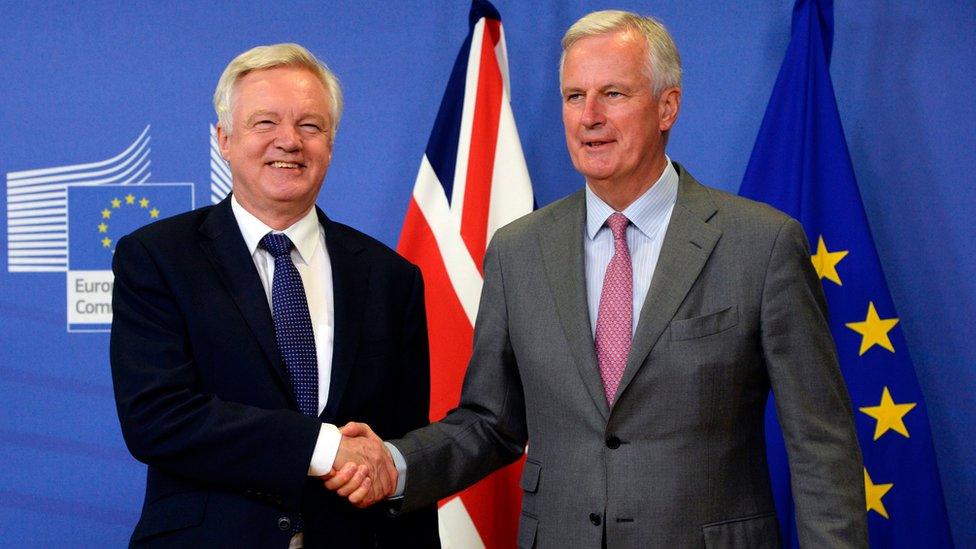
[[363, 470]]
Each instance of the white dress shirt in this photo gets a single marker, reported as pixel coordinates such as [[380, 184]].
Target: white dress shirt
[[311, 258], [649, 216]]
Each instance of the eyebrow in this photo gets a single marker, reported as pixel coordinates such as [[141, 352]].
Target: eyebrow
[[315, 117], [271, 114], [259, 114], [604, 87]]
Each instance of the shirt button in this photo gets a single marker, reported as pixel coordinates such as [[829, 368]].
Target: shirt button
[[613, 442], [284, 524], [595, 519]]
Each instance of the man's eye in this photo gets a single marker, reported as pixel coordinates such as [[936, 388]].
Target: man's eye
[[260, 124], [572, 97], [314, 128], [614, 94]]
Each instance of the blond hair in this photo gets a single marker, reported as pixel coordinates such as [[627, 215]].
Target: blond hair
[[269, 57]]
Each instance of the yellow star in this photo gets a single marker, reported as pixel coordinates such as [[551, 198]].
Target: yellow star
[[102, 228], [154, 213], [144, 203], [874, 329], [825, 262], [890, 416], [106, 242], [873, 494], [129, 199], [116, 202], [106, 213]]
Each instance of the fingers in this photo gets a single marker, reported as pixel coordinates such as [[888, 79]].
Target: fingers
[[362, 497], [336, 479], [355, 483], [367, 474]]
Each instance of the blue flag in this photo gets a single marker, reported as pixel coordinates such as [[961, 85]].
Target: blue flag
[[801, 165], [99, 215]]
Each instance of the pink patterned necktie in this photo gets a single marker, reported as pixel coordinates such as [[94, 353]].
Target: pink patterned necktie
[[614, 324]]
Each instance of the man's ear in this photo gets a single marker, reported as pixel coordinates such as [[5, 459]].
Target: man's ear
[[222, 140], [669, 105]]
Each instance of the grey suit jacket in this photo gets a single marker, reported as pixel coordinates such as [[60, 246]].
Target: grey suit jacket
[[734, 309]]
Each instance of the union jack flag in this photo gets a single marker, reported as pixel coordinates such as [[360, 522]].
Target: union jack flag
[[472, 181]]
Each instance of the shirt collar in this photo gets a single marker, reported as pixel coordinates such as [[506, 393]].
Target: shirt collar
[[647, 213], [303, 233]]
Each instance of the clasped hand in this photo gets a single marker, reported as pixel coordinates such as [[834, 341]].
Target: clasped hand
[[363, 471]]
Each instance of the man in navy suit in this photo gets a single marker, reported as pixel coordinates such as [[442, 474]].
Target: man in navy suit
[[244, 333]]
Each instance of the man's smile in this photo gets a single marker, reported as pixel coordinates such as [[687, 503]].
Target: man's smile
[[287, 165]]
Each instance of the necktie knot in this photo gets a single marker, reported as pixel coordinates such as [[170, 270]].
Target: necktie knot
[[618, 226], [277, 244]]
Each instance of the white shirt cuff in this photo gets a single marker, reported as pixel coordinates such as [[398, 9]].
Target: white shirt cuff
[[326, 448], [401, 467]]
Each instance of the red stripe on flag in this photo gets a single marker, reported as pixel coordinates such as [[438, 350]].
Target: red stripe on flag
[[491, 503], [450, 331], [484, 136]]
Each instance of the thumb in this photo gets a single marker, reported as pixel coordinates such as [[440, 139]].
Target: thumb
[[354, 429]]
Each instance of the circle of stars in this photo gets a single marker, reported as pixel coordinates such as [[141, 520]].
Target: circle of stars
[[116, 204]]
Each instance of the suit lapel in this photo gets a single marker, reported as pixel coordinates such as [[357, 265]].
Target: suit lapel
[[350, 282], [688, 243], [562, 252], [224, 246]]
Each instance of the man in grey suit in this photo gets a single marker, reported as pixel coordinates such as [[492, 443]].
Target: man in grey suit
[[630, 335]]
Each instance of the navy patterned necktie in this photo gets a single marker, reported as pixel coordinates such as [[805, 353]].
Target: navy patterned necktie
[[293, 325]]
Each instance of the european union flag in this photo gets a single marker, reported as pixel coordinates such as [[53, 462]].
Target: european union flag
[[99, 215], [801, 165]]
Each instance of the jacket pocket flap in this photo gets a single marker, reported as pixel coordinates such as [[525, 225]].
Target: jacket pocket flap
[[171, 513], [526, 533], [755, 532], [701, 326], [530, 476]]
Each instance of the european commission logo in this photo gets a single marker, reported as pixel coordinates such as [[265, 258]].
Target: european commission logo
[[69, 219], [97, 217]]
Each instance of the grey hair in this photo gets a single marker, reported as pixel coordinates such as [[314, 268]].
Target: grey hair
[[269, 57], [663, 61]]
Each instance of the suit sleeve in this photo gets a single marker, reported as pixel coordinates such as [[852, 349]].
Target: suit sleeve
[[413, 381], [168, 421], [412, 407], [487, 430], [812, 403]]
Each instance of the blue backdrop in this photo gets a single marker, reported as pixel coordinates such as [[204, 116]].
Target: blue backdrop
[[81, 82]]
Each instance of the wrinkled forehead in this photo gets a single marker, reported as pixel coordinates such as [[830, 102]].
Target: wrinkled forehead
[[287, 84], [617, 55]]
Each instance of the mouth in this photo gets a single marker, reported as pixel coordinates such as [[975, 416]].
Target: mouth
[[595, 144], [286, 165]]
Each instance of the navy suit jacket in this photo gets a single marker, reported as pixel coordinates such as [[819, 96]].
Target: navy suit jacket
[[204, 399]]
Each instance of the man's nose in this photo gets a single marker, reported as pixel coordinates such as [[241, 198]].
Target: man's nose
[[592, 114], [288, 138]]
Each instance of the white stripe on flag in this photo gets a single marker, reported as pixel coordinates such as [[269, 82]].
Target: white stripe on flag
[[456, 529], [511, 189], [464, 274]]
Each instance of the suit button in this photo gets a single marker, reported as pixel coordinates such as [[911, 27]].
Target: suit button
[[284, 524], [613, 442], [595, 519]]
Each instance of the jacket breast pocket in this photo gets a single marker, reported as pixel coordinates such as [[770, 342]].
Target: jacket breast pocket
[[755, 532], [705, 325]]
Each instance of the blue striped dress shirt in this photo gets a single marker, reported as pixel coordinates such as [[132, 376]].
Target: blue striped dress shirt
[[649, 216]]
